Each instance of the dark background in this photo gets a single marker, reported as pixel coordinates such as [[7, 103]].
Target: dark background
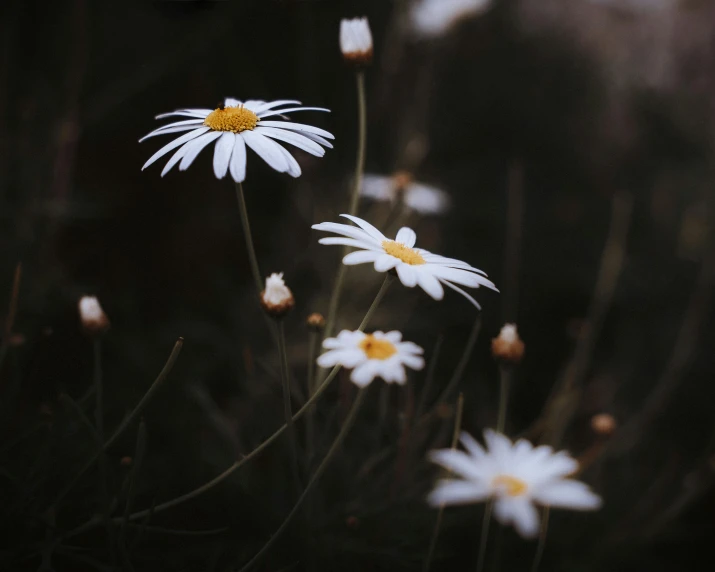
[[585, 101]]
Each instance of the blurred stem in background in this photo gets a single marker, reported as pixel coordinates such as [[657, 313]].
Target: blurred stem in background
[[349, 421], [354, 198], [287, 409], [440, 512], [542, 540]]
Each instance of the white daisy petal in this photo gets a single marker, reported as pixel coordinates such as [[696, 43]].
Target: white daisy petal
[[360, 257], [196, 113], [363, 374], [222, 154], [347, 242], [367, 227], [271, 104], [386, 262], [237, 166], [195, 147], [347, 230], [472, 446], [280, 111], [407, 275], [454, 492], [174, 128], [457, 462], [318, 139], [298, 127], [406, 236], [293, 138], [174, 144], [265, 149], [519, 512], [378, 187], [345, 357], [231, 102], [430, 284], [567, 493], [463, 293], [413, 362], [294, 169]]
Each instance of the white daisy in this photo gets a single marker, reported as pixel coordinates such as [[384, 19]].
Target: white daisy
[[372, 355], [432, 18], [424, 199], [413, 265], [356, 40], [237, 125], [516, 475]]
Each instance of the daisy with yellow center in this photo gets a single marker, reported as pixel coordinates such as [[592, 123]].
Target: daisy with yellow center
[[414, 266], [235, 126], [373, 355], [516, 475]]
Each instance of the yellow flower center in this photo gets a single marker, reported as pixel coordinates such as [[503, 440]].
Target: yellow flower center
[[510, 485], [405, 253], [234, 119], [377, 349]]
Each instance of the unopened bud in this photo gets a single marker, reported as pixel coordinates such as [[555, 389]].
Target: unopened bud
[[316, 322], [356, 41], [603, 424], [94, 320], [126, 461], [277, 299], [401, 179], [507, 347]]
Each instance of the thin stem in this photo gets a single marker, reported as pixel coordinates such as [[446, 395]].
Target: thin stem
[[505, 372], [542, 540], [168, 366], [349, 421], [99, 424], [248, 237], [515, 208], [462, 364], [354, 199], [484, 535], [440, 512], [376, 302], [287, 408], [134, 476], [429, 380], [238, 464], [310, 420]]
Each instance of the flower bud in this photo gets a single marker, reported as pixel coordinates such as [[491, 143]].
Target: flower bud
[[94, 320], [316, 322], [507, 347], [603, 424], [277, 299], [356, 41]]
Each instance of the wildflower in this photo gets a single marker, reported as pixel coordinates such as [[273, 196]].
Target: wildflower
[[413, 265], [316, 322], [421, 198], [277, 299], [432, 18], [372, 355], [603, 424], [94, 320], [515, 475], [234, 126], [507, 347], [356, 41]]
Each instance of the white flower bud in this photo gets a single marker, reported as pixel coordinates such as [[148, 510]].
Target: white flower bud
[[356, 41], [277, 299], [507, 347], [94, 320]]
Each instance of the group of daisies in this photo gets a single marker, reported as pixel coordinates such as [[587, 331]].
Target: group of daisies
[[515, 475]]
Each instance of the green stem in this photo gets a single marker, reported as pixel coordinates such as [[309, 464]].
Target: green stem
[[484, 535], [310, 421], [504, 384], [248, 237], [354, 199], [287, 408], [459, 370], [349, 421], [126, 423], [542, 540], [99, 424]]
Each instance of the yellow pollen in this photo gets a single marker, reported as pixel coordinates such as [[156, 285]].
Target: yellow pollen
[[510, 485], [234, 119], [377, 349], [405, 253]]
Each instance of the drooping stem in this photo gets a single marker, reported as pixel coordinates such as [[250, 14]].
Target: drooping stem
[[440, 512], [349, 421], [248, 237], [354, 199], [505, 372], [484, 535], [542, 540], [287, 408]]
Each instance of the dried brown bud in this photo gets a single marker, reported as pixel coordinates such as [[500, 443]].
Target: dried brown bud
[[316, 322], [277, 299], [603, 424], [356, 41], [507, 347], [94, 320]]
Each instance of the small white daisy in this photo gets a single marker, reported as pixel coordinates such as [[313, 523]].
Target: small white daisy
[[413, 265], [356, 40], [237, 125], [432, 18], [516, 475], [372, 355], [421, 198]]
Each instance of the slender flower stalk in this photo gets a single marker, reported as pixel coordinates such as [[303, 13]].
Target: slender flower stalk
[[440, 512], [463, 361], [349, 421], [255, 270], [484, 535], [287, 409], [542, 540]]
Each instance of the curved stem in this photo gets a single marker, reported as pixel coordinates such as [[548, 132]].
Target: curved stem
[[287, 408], [248, 237], [349, 421], [484, 535], [459, 370]]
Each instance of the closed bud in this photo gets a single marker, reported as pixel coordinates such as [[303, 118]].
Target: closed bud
[[356, 41], [277, 299], [507, 347], [603, 424], [94, 320], [316, 322]]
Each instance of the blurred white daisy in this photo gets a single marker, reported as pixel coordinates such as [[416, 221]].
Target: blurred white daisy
[[373, 355], [233, 127], [432, 18], [356, 40], [414, 266], [421, 198], [516, 475]]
